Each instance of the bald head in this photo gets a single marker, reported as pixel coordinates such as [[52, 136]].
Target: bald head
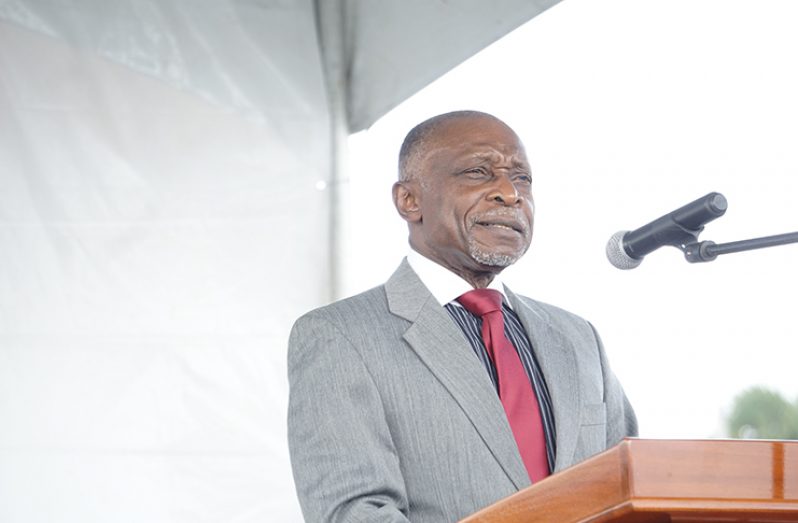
[[420, 137]]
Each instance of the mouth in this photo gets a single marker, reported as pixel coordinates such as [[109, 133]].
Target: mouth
[[502, 225]]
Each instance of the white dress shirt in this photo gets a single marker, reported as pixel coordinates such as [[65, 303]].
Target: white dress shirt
[[445, 285]]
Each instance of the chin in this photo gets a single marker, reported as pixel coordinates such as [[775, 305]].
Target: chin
[[494, 259], [495, 256]]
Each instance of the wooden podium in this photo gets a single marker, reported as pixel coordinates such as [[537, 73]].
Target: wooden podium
[[660, 481]]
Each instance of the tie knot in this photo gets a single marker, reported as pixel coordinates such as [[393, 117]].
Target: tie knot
[[481, 301]]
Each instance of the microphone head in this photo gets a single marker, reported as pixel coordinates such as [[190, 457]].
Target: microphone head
[[617, 255]]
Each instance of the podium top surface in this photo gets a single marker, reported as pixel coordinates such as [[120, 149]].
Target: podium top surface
[[654, 481]]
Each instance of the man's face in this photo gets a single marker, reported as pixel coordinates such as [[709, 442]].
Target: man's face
[[475, 197]]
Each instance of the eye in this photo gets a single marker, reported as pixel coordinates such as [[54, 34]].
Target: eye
[[524, 179], [476, 173]]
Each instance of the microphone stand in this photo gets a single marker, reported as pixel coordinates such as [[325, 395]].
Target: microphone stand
[[708, 250]]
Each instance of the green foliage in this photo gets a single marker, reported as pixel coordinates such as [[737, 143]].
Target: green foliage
[[762, 413]]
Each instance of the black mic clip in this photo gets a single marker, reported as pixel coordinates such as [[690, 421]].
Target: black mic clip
[[697, 252]]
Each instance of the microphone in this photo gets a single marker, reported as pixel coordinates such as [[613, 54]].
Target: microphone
[[626, 249]]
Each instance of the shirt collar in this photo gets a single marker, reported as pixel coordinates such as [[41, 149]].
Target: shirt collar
[[445, 285]]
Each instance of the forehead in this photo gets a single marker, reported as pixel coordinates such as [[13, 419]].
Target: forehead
[[474, 136]]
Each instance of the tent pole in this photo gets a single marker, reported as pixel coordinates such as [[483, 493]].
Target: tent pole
[[330, 20]]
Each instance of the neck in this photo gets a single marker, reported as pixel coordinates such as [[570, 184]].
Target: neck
[[479, 280], [477, 275]]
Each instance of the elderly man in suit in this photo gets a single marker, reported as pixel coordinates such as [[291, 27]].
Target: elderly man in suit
[[442, 391]]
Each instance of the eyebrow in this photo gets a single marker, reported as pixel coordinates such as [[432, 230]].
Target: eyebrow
[[491, 155]]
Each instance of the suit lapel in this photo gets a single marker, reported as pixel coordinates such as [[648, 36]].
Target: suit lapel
[[440, 344], [555, 354]]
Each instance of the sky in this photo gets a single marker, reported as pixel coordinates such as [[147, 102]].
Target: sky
[[630, 109]]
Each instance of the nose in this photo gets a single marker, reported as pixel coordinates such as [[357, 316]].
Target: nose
[[505, 192]]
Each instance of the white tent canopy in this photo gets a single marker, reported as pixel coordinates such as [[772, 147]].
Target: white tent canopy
[[165, 201], [386, 51]]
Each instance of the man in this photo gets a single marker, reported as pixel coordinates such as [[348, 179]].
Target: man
[[407, 403]]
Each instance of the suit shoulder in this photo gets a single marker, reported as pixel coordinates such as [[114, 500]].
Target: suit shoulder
[[350, 311]]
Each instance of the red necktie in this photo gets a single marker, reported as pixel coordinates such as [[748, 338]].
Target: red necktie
[[515, 390]]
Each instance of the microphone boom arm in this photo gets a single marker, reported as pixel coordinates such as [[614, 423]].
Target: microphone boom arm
[[707, 251]]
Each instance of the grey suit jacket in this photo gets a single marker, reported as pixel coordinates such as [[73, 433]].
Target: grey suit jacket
[[392, 417]]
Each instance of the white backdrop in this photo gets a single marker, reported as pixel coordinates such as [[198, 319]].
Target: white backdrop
[[158, 182]]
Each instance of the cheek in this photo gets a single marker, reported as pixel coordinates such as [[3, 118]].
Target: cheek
[[530, 211], [530, 203], [448, 215], [451, 226]]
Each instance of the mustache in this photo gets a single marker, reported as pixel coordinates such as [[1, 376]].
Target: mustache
[[512, 218]]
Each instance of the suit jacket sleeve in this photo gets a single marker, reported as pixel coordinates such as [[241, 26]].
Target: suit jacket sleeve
[[344, 462]]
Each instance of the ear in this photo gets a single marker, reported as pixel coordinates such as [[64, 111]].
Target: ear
[[406, 201]]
